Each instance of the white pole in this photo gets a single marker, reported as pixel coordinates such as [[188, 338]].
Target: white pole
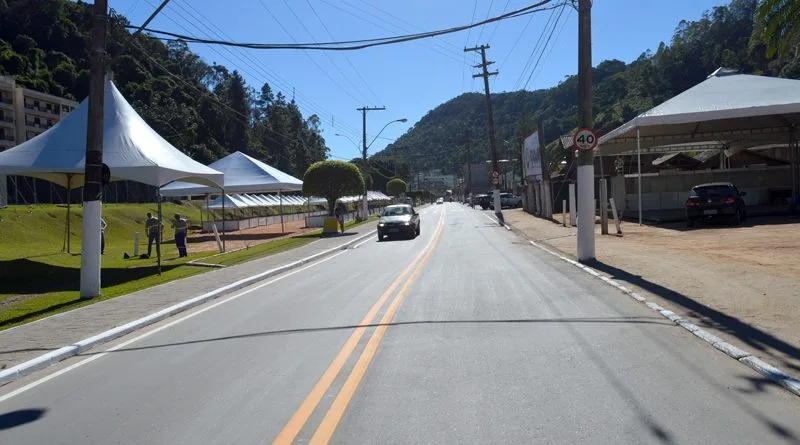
[[586, 248], [280, 198], [639, 164], [90, 249], [136, 245], [564, 213], [615, 214], [573, 218]]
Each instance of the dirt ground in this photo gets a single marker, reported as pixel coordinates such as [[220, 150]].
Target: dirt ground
[[742, 283], [204, 242]]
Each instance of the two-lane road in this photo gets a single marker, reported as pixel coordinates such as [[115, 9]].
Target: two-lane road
[[465, 334]]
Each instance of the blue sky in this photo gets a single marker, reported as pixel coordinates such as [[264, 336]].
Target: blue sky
[[410, 78]]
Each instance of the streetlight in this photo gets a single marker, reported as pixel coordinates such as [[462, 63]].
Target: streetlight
[[365, 204], [348, 138]]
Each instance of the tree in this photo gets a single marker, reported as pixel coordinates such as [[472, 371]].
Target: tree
[[332, 180], [780, 20], [396, 187]]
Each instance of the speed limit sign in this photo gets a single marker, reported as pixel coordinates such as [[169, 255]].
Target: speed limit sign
[[585, 139]]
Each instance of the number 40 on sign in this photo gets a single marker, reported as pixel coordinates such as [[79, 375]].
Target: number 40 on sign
[[585, 139]]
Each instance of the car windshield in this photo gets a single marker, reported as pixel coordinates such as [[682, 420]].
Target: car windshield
[[397, 211], [712, 191]]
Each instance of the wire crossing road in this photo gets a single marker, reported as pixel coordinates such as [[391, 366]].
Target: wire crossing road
[[465, 334]]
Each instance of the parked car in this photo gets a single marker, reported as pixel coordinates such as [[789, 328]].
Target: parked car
[[482, 200], [398, 219], [507, 200], [717, 200], [440, 201]]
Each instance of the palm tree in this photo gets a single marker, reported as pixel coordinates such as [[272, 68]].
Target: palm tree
[[780, 21]]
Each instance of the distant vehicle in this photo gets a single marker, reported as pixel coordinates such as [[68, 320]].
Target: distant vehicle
[[398, 219], [440, 201], [717, 200]]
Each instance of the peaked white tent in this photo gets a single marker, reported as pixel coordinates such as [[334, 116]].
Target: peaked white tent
[[131, 149], [735, 110], [243, 174]]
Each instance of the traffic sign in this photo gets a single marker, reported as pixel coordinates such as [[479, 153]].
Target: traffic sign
[[585, 139]]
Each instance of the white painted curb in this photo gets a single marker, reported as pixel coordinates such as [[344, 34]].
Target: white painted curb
[[21, 370], [778, 376]]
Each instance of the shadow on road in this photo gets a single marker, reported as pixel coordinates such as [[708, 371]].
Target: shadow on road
[[20, 417], [627, 320], [711, 318]]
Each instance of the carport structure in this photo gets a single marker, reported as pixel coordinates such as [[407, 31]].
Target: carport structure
[[730, 111]]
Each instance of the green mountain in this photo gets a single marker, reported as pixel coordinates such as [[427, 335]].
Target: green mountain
[[726, 36]]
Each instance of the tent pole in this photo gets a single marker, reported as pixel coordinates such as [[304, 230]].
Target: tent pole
[[224, 196], [69, 202], [280, 197], [158, 240], [639, 164]]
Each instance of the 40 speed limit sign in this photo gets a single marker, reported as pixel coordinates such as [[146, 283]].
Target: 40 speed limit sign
[[585, 139]]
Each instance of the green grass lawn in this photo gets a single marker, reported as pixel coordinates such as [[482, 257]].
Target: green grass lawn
[[37, 279]]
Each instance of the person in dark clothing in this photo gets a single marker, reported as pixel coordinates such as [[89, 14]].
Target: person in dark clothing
[[103, 226], [339, 212]]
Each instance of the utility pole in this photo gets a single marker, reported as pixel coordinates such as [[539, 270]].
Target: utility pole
[[363, 110], [93, 187], [586, 243], [484, 65], [469, 170]]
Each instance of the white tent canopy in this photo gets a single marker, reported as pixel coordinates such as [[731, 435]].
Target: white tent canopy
[[243, 174], [255, 201], [724, 107], [131, 149]]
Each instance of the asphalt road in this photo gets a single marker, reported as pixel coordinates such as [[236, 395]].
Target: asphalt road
[[465, 334]]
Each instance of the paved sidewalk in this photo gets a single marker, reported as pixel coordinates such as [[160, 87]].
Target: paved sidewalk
[[30, 340]]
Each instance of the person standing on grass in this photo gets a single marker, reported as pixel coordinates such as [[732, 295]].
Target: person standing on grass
[[181, 227], [339, 212], [103, 226], [152, 226]]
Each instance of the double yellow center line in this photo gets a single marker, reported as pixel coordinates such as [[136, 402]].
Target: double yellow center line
[[334, 415]]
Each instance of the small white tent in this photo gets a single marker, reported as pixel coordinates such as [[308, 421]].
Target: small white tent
[[243, 174]]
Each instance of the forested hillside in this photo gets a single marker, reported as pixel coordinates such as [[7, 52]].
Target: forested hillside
[[205, 110], [727, 36]]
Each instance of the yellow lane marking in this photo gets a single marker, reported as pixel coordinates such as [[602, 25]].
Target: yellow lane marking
[[328, 425], [303, 413]]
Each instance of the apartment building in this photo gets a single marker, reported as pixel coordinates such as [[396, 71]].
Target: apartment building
[[24, 114]]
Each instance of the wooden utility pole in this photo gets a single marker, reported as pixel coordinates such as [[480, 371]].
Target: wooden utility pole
[[93, 170], [363, 110], [484, 65], [586, 213]]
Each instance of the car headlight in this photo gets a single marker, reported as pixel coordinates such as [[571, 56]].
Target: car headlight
[[381, 224], [407, 223]]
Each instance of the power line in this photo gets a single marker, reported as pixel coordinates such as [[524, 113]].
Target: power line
[[442, 52], [270, 75], [498, 24], [545, 46], [307, 54], [353, 45], [516, 42], [534, 50], [347, 59], [563, 24], [489, 11]]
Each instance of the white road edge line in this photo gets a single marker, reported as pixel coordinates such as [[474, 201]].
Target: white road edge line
[[21, 370], [156, 330], [496, 221], [791, 383]]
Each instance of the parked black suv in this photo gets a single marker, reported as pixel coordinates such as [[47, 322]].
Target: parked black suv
[[715, 201]]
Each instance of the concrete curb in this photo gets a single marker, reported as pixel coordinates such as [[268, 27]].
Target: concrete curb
[[23, 369], [774, 374]]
